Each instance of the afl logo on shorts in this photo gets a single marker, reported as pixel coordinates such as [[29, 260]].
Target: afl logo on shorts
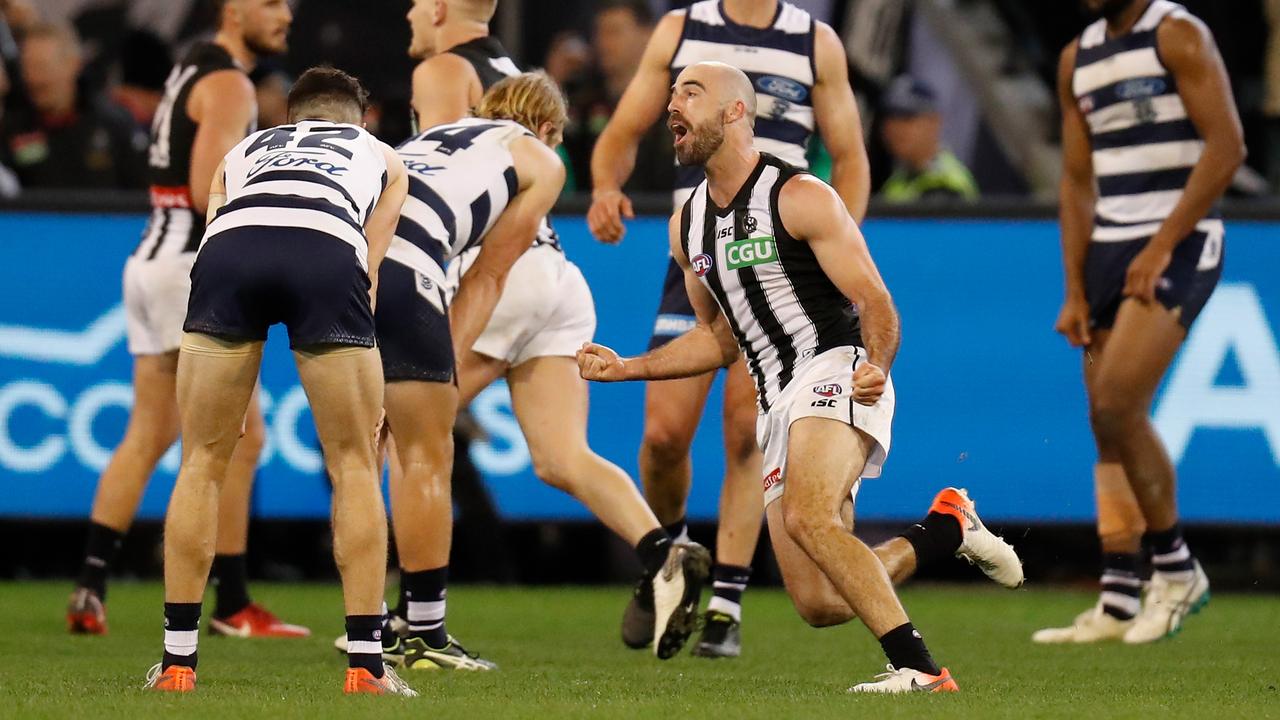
[[828, 390], [701, 264]]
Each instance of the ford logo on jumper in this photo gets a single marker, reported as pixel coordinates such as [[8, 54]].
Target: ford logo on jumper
[[782, 87]]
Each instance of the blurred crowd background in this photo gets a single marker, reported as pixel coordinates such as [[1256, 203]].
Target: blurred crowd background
[[956, 95]]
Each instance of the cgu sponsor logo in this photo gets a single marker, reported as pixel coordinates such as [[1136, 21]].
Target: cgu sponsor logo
[[828, 390], [752, 251], [701, 264], [773, 478]]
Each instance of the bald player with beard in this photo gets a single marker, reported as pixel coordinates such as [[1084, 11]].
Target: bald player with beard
[[778, 272]]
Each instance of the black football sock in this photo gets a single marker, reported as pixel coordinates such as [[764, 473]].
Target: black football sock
[[181, 632], [424, 592], [364, 643], [678, 531], [1170, 554], [728, 584], [230, 578], [652, 550], [1121, 586], [100, 553], [905, 649], [935, 538]]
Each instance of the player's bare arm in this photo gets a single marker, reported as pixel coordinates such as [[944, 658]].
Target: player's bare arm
[[708, 346], [224, 104], [811, 212], [445, 88], [1189, 52], [540, 174], [380, 226], [614, 157], [839, 124], [217, 192], [1077, 195]]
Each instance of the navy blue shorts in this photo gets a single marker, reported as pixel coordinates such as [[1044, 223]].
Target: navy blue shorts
[[247, 279], [675, 312], [413, 330], [1183, 287]]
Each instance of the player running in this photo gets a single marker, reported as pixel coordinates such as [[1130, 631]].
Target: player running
[[800, 75], [323, 189], [208, 106], [1150, 140], [480, 188], [777, 269]]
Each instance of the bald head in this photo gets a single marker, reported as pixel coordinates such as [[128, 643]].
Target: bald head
[[724, 82], [474, 10]]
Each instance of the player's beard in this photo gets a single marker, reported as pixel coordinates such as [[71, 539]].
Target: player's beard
[[707, 139], [260, 44]]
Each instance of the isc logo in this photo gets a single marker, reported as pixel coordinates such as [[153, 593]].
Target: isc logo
[[701, 264], [752, 251]]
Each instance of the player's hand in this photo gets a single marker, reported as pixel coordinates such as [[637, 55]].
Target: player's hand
[[599, 363], [604, 219], [868, 384], [1145, 272], [1073, 321]]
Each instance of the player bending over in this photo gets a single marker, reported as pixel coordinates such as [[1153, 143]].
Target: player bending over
[[208, 106], [778, 272], [300, 218]]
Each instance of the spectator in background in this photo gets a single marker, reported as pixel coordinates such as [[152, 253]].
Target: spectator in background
[[273, 98], [8, 181], [567, 58], [621, 31], [145, 62], [66, 138], [912, 131]]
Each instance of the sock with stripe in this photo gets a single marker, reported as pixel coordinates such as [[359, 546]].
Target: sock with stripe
[[1170, 555], [424, 593], [728, 583], [181, 633], [100, 552], [935, 538], [230, 577], [364, 643], [678, 531], [905, 649], [1121, 586]]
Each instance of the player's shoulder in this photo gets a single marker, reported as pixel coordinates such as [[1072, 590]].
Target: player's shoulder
[[443, 67], [806, 202], [1181, 36], [228, 86]]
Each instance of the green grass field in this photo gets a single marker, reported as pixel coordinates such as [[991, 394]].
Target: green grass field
[[560, 657]]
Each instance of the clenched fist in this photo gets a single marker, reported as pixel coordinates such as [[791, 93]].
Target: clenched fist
[[599, 363], [868, 384]]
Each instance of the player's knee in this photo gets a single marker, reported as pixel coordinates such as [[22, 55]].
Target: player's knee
[[555, 468], [1111, 416], [820, 613], [802, 522], [149, 441], [254, 437], [665, 444]]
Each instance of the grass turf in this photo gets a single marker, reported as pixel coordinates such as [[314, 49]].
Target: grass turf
[[561, 657]]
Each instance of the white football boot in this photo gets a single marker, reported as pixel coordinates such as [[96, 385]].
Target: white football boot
[[1091, 626], [978, 545], [1167, 604], [907, 680]]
